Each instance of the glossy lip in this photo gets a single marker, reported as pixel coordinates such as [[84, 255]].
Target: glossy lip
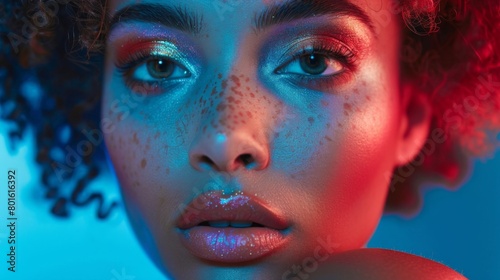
[[229, 244]]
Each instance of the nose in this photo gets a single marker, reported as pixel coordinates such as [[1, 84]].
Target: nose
[[231, 139], [227, 152]]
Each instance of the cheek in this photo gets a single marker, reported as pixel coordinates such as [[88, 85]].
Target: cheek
[[134, 148], [347, 176]]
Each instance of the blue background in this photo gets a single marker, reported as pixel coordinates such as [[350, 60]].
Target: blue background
[[460, 229]]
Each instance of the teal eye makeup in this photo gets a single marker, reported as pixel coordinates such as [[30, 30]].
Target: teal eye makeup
[[317, 63], [153, 66]]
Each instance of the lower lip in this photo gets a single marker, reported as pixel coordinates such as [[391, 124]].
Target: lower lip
[[232, 245]]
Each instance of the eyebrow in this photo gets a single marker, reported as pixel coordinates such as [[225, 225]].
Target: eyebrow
[[302, 9], [175, 17], [179, 18]]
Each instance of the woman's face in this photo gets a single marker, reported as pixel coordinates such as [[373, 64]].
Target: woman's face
[[252, 136]]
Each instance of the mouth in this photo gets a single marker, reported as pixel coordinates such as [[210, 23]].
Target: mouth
[[230, 229]]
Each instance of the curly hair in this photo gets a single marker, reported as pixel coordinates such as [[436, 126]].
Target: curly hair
[[449, 53]]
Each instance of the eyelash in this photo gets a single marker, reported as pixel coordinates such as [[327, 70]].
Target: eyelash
[[132, 60], [327, 49], [330, 50]]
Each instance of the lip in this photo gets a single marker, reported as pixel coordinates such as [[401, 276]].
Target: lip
[[230, 244]]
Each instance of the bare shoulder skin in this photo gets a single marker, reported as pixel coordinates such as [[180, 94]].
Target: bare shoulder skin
[[378, 264]]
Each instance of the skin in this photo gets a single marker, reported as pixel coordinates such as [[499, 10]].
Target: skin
[[321, 154]]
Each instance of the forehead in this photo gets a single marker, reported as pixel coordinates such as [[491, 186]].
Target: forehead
[[237, 9], [238, 14]]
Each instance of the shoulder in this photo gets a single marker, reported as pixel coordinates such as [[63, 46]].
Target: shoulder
[[375, 264]]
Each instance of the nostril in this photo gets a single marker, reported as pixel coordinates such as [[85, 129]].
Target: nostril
[[207, 160], [246, 159]]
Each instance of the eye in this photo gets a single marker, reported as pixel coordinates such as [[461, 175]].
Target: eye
[[313, 64], [159, 69]]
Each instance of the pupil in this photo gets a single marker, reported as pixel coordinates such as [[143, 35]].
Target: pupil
[[313, 64], [160, 68]]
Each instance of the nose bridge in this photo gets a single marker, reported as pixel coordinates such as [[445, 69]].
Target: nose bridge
[[235, 108], [232, 130]]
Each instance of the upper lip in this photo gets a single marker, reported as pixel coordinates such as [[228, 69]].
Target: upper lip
[[214, 206]]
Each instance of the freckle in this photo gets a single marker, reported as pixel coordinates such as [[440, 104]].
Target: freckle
[[135, 139], [204, 129], [348, 107], [235, 90], [147, 147], [356, 91], [252, 94], [321, 143], [143, 163], [339, 125], [230, 99], [237, 101], [224, 84], [248, 88], [219, 76], [221, 93], [235, 80], [247, 80], [311, 120], [214, 91], [249, 114], [204, 111], [243, 121], [328, 138], [324, 103], [167, 171], [328, 125], [368, 98]]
